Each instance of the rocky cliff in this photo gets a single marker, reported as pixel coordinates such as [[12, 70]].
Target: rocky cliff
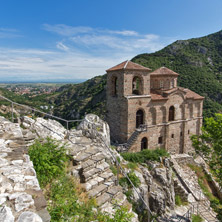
[[92, 162]]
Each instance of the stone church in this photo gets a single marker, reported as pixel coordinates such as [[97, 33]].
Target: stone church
[[147, 110]]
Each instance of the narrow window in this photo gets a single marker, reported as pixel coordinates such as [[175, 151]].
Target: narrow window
[[188, 131], [172, 83], [114, 86], [181, 134], [172, 135], [160, 140], [171, 113], [161, 84]]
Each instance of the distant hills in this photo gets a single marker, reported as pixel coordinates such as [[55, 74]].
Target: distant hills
[[197, 60]]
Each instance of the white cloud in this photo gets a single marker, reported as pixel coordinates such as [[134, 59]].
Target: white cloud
[[9, 33], [66, 30], [81, 53], [62, 47]]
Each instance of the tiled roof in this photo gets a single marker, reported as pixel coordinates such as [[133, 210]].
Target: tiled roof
[[164, 71], [155, 95], [128, 65], [192, 95]]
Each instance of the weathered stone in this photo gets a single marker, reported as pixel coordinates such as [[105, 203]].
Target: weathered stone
[[114, 190], [102, 199], [97, 190], [6, 187], [95, 128], [29, 216], [6, 214]]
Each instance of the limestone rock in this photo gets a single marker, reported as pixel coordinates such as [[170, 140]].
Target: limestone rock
[[6, 214], [95, 128], [45, 128], [29, 216]]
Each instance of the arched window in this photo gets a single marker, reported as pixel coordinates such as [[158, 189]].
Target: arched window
[[137, 86], [171, 113], [139, 118], [144, 143], [114, 86]]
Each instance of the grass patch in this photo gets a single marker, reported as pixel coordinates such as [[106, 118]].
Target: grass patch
[[67, 201], [132, 166], [196, 218], [125, 182], [144, 155], [179, 201]]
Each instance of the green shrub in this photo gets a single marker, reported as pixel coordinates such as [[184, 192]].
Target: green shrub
[[132, 165], [68, 202], [196, 218], [144, 155], [132, 176], [178, 200], [48, 159], [114, 169]]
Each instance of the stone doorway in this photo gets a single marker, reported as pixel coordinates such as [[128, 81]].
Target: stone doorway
[[139, 118], [144, 143]]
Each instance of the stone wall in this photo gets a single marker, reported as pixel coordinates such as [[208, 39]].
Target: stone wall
[[21, 198]]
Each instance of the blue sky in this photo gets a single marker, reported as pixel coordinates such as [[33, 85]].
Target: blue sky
[[79, 39]]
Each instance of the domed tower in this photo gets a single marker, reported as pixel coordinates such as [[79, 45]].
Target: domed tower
[[128, 90]]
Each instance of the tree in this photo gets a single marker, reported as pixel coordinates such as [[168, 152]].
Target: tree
[[209, 145]]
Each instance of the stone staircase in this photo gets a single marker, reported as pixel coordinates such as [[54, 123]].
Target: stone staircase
[[89, 164], [203, 209], [174, 218], [133, 138]]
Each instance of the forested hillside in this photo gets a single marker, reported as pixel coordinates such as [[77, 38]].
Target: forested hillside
[[199, 63], [74, 101]]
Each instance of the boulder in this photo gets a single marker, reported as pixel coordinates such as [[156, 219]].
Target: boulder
[[6, 214], [29, 216], [95, 128]]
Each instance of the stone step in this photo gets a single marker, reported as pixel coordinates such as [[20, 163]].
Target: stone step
[[119, 198], [103, 166], [91, 184], [90, 174], [97, 191], [82, 157], [98, 158], [106, 174], [114, 190], [88, 164], [105, 197]]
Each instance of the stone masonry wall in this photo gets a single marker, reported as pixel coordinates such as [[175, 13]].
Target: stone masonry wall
[[21, 198]]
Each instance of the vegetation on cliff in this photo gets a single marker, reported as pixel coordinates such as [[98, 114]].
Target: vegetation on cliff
[[67, 200], [209, 145], [199, 63]]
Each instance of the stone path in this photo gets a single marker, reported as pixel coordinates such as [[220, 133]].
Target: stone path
[[188, 179], [21, 198], [96, 177]]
